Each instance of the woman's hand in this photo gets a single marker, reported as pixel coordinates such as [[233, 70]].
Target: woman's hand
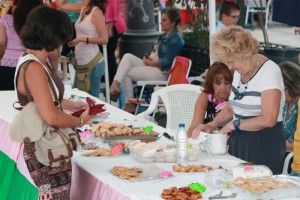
[[208, 128], [74, 42], [150, 61], [73, 106], [85, 115], [227, 128]]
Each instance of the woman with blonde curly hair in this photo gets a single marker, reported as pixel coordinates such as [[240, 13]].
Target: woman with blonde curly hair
[[254, 111]]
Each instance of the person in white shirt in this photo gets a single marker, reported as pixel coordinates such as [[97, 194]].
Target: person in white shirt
[[229, 15]]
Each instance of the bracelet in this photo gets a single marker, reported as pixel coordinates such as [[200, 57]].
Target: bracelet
[[80, 121], [87, 40]]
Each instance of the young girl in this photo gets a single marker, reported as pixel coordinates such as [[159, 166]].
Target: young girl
[[214, 97]]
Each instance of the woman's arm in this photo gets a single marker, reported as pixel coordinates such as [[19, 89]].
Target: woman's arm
[[222, 118], [73, 106], [270, 104], [289, 146], [43, 98], [2, 40], [199, 112], [72, 7], [109, 26], [99, 22]]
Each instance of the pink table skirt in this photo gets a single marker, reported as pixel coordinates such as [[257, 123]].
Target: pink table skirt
[[87, 187]]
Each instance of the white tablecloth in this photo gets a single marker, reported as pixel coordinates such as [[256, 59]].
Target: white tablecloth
[[92, 174]]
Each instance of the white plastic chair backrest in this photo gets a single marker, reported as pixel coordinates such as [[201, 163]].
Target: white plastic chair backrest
[[287, 163], [179, 101]]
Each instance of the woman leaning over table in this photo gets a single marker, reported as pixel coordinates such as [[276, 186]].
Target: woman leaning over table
[[41, 35], [90, 31], [254, 111], [213, 98]]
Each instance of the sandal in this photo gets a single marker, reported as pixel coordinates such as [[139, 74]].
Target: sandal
[[114, 91], [114, 96]]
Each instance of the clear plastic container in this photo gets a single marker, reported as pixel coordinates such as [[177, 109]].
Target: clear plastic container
[[169, 155]]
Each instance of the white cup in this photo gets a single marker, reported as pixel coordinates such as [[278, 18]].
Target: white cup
[[215, 144]]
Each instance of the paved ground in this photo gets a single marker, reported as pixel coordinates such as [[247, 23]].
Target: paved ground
[[279, 34]]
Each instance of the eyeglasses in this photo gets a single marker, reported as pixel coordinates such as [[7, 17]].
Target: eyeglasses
[[235, 17]]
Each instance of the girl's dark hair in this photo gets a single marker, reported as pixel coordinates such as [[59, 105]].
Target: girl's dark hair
[[291, 77], [46, 28], [216, 70], [99, 3], [173, 15], [23, 7]]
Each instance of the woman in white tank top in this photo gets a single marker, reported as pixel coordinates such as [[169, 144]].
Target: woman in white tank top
[[90, 31]]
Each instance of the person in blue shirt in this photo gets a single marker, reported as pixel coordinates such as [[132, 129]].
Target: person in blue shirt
[[155, 65]]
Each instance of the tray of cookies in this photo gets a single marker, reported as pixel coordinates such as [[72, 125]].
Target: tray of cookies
[[191, 168], [181, 193], [98, 152], [140, 173], [119, 131], [272, 187]]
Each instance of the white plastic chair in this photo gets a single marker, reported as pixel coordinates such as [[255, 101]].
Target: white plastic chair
[[286, 163], [254, 6], [179, 101]]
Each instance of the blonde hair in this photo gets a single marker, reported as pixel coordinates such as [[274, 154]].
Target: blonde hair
[[233, 42]]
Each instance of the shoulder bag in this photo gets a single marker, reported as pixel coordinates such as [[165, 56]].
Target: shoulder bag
[[54, 146]]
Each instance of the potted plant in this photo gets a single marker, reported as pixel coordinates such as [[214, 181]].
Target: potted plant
[[196, 33]]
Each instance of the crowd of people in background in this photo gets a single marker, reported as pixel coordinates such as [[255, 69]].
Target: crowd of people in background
[[245, 94]]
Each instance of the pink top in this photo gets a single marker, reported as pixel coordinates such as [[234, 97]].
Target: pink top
[[14, 47], [112, 13], [84, 52]]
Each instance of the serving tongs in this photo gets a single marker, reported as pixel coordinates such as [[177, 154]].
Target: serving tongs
[[219, 196], [168, 136]]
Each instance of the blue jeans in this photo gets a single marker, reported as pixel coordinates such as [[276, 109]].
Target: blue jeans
[[122, 100], [295, 174], [96, 76]]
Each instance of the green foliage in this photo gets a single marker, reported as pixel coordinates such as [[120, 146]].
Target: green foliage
[[197, 21]]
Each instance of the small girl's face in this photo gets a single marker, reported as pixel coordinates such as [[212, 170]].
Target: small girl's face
[[222, 88]]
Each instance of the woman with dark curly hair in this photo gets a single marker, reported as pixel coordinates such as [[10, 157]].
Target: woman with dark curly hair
[[213, 99], [46, 29]]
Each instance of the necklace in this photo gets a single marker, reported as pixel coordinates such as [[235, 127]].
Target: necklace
[[239, 94]]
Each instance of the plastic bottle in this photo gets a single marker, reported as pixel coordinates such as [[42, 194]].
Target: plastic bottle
[[182, 142]]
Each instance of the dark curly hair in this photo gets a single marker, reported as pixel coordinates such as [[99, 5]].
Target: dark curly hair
[[216, 70], [46, 28], [291, 77], [21, 10]]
